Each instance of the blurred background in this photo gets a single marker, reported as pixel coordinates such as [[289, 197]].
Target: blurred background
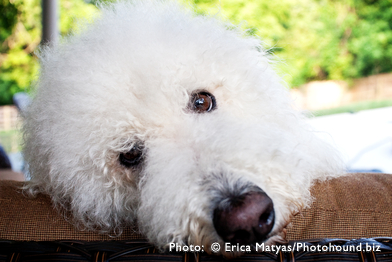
[[335, 56]]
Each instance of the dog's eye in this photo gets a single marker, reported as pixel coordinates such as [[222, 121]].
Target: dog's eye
[[133, 157], [202, 102]]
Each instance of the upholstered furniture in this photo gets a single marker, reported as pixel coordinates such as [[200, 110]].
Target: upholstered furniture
[[351, 207]]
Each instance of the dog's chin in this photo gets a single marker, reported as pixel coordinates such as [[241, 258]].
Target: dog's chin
[[278, 238]]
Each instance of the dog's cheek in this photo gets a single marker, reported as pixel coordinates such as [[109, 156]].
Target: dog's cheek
[[173, 206], [161, 212]]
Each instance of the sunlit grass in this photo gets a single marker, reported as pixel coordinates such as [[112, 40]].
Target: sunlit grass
[[11, 140], [354, 107]]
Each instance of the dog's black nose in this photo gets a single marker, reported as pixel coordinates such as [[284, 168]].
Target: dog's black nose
[[248, 219]]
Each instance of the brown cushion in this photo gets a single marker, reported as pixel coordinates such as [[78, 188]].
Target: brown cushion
[[355, 206], [23, 218]]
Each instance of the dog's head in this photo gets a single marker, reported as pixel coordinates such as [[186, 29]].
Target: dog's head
[[176, 121]]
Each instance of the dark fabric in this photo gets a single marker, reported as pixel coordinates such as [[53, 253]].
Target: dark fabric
[[142, 251], [4, 160]]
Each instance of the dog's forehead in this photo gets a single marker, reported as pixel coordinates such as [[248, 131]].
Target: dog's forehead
[[140, 64], [167, 46]]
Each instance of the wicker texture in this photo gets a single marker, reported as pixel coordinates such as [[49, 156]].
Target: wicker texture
[[12, 251]]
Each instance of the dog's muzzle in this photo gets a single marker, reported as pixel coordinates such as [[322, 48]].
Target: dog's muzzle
[[246, 219]]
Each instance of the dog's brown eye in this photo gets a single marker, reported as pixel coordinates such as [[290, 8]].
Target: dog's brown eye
[[133, 157], [202, 102]]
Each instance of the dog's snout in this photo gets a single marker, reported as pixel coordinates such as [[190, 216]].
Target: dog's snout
[[248, 219]]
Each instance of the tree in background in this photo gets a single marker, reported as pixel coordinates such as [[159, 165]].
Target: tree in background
[[20, 36], [317, 39], [371, 42], [341, 40]]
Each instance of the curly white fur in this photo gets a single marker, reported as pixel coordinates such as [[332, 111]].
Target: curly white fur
[[128, 77]]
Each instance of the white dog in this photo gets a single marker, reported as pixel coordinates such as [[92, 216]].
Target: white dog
[[177, 121]]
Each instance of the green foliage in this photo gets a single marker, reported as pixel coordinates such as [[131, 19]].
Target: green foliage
[[7, 19], [19, 32], [20, 36], [317, 39], [372, 37]]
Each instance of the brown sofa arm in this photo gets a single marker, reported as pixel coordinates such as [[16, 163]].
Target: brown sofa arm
[[351, 207], [354, 206]]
